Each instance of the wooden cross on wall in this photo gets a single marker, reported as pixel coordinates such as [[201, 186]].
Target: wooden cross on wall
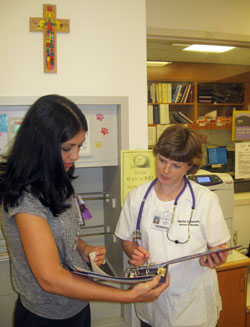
[[49, 25]]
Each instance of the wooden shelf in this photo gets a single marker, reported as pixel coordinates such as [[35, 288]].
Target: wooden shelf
[[220, 104], [195, 109]]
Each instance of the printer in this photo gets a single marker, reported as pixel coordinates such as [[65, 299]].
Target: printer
[[222, 184]]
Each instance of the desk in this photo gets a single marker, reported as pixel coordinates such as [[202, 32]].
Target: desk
[[233, 280]]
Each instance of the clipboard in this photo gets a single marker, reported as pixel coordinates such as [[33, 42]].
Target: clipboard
[[134, 275]]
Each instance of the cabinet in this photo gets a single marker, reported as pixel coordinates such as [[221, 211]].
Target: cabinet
[[194, 100], [233, 277]]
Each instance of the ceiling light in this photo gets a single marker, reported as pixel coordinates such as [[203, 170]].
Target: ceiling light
[[158, 63], [207, 48]]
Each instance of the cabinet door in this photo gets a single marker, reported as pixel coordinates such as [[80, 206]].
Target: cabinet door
[[233, 290]]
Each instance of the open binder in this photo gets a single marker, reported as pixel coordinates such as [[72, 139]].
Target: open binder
[[134, 275]]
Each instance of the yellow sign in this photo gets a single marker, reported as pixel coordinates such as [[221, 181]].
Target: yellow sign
[[137, 167]]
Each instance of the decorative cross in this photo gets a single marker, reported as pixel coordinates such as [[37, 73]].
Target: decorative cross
[[50, 25]]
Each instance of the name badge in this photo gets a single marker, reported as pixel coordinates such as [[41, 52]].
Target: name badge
[[162, 220]]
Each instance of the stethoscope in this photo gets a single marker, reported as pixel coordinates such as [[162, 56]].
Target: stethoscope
[[137, 234]]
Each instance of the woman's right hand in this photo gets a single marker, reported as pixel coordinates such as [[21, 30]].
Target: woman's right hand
[[139, 256], [149, 291]]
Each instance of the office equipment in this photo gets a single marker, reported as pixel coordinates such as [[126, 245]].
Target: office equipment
[[217, 156], [222, 184]]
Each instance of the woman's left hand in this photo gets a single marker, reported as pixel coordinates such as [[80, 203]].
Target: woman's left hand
[[85, 249], [216, 259]]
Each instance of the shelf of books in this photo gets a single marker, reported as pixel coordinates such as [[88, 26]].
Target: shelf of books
[[204, 105]]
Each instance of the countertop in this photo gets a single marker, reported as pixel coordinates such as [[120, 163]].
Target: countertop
[[234, 260]]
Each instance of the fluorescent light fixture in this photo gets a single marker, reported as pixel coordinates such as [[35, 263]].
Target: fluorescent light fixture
[[158, 63], [207, 48]]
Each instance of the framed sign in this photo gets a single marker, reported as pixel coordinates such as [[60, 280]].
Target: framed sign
[[241, 125]]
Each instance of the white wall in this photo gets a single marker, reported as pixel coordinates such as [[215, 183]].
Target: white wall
[[103, 55]]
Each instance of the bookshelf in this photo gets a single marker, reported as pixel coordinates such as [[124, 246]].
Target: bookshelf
[[216, 89], [204, 105]]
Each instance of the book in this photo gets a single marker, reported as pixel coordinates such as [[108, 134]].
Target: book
[[159, 130], [159, 92], [152, 133], [169, 92], [164, 93], [177, 98], [176, 90], [185, 117], [178, 118], [150, 114], [134, 275], [152, 92], [156, 114], [164, 113]]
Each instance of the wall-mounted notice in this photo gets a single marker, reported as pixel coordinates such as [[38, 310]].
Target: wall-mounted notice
[[137, 167], [242, 160], [241, 125]]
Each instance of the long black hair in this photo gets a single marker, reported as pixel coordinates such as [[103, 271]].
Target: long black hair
[[34, 163]]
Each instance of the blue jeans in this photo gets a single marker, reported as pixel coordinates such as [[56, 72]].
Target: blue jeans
[[23, 317]]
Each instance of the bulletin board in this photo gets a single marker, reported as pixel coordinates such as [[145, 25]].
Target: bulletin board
[[100, 147]]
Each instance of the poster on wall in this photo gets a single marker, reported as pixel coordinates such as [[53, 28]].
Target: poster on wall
[[14, 124], [137, 167], [242, 160], [3, 133], [241, 125]]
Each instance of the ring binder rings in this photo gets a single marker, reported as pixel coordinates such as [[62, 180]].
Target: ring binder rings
[[134, 275]]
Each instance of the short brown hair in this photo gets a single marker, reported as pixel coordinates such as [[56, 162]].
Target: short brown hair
[[179, 143]]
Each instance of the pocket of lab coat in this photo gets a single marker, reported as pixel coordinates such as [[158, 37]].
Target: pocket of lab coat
[[188, 309]]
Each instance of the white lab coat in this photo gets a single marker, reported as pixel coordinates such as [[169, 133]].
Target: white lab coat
[[192, 298]]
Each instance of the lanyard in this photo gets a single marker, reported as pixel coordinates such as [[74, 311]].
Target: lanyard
[[138, 235]]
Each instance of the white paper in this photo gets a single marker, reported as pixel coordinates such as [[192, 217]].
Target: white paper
[[242, 160]]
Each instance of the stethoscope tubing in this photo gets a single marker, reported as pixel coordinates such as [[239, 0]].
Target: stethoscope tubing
[[187, 182]]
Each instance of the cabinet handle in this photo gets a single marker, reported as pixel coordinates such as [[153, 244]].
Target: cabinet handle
[[244, 289]]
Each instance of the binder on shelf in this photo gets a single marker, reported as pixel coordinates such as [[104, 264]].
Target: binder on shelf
[[164, 93], [159, 93], [152, 134], [164, 113], [160, 129], [156, 114], [152, 92], [134, 275], [169, 92], [150, 114]]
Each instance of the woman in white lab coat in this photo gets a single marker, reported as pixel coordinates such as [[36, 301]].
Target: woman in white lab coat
[[41, 221], [189, 220]]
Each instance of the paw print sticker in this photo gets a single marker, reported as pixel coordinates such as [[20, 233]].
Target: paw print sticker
[[104, 131]]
